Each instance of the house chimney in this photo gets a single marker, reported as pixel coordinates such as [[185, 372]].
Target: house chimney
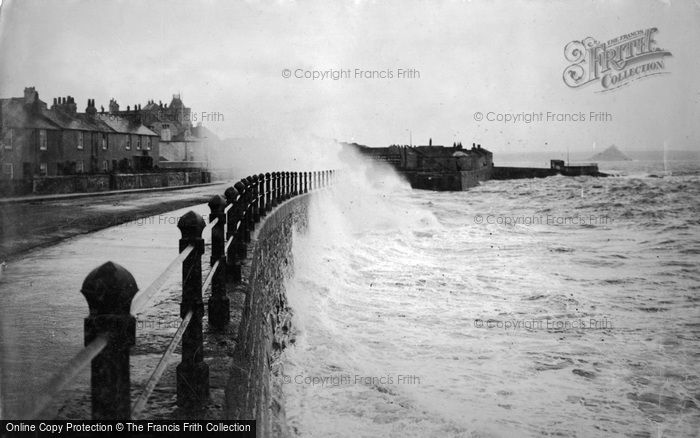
[[30, 95], [128, 108], [72, 106], [90, 111], [113, 106]]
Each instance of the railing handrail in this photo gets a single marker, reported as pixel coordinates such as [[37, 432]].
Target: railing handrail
[[141, 401], [110, 331], [144, 296], [66, 375]]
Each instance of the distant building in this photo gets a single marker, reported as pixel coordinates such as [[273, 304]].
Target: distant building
[[180, 145], [39, 141], [431, 158], [435, 167]]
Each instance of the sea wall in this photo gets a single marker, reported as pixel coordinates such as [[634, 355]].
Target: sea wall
[[452, 181], [87, 183], [471, 178], [254, 388], [521, 172]]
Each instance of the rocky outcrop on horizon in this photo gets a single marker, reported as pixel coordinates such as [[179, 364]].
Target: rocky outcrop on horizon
[[611, 154]]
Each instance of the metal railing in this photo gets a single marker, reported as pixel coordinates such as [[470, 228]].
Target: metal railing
[[113, 297]]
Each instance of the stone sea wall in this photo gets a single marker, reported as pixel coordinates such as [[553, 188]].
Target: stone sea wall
[[253, 390]]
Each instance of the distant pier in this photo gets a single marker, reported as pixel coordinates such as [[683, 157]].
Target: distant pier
[[440, 168]]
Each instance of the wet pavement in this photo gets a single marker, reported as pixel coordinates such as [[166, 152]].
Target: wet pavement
[[39, 223], [42, 310]]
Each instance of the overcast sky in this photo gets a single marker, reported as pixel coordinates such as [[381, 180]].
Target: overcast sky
[[487, 56]]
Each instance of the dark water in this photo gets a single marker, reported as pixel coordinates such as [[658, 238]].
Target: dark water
[[558, 306]]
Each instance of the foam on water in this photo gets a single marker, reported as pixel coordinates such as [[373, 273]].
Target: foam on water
[[392, 282]]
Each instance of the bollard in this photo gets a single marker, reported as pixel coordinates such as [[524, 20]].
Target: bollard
[[237, 249], [192, 372], [306, 182], [261, 206], [108, 291], [268, 192], [219, 304]]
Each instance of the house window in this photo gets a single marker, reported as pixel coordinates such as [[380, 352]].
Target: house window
[[104, 142], [128, 142], [43, 169], [80, 166], [42, 139], [105, 166], [138, 142], [7, 141], [149, 142], [80, 140], [8, 171]]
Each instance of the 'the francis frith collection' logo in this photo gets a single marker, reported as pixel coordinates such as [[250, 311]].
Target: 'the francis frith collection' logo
[[614, 63]]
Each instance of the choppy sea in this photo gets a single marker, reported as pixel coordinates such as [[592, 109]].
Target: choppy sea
[[539, 307]]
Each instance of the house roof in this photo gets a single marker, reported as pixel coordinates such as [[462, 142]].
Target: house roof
[[124, 126], [66, 121], [16, 114]]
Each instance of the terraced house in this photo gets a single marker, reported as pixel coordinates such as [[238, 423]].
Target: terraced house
[[37, 141]]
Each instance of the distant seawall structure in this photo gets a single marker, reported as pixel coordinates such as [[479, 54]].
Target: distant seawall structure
[[434, 167]]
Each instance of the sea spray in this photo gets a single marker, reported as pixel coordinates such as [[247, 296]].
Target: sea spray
[[412, 296]]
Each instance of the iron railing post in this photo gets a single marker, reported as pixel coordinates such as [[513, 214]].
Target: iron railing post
[[288, 185], [255, 198], [192, 372], [237, 249], [261, 204], [108, 291], [275, 189], [291, 184], [268, 192], [219, 303], [280, 187]]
